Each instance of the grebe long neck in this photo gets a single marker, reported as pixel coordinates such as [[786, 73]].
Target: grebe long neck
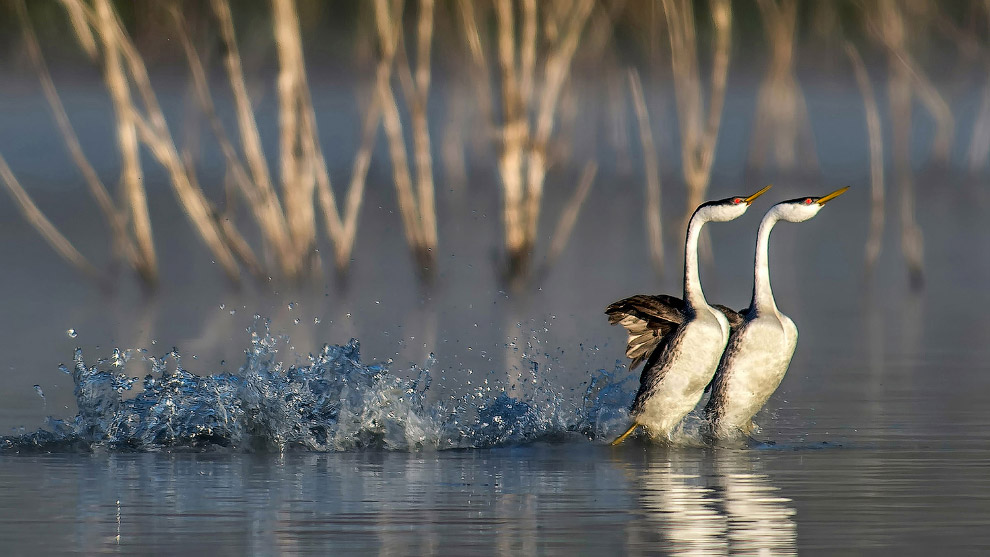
[[762, 294], [693, 295]]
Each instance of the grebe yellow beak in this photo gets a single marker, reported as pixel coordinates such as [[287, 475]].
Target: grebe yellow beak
[[833, 195], [749, 200]]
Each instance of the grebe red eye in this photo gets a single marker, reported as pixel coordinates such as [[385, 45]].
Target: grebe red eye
[[807, 201], [737, 201]]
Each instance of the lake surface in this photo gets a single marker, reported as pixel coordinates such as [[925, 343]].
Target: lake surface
[[479, 418], [877, 440]]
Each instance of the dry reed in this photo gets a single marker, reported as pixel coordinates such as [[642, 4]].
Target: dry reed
[[151, 128], [289, 232], [124, 246], [569, 216], [131, 176], [534, 48], [654, 230], [889, 25], [259, 190], [874, 242], [418, 208], [979, 145], [781, 113], [698, 133], [528, 112], [37, 219], [903, 82]]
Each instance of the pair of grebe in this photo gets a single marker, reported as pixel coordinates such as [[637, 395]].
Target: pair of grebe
[[691, 346]]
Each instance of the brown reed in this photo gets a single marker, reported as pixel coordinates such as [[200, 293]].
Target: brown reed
[[698, 133], [417, 208], [654, 230], [124, 246], [37, 219], [874, 242], [528, 114], [782, 121]]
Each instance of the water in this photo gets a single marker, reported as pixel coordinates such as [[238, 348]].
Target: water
[[539, 498], [469, 420], [876, 441]]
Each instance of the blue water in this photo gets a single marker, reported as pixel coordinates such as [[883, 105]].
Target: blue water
[[474, 421], [331, 402]]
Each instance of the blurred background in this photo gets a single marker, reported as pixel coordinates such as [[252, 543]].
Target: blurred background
[[476, 180]]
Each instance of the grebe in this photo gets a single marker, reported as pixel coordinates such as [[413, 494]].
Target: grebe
[[760, 348], [681, 340]]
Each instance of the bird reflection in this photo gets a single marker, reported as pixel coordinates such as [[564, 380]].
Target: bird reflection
[[760, 518], [683, 508], [711, 504]]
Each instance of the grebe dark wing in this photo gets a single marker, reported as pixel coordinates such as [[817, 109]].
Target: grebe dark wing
[[647, 319], [735, 317]]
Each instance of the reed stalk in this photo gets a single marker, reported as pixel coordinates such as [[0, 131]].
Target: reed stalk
[[37, 219], [698, 133], [259, 190], [781, 114], [899, 97], [122, 241], [979, 144], [904, 81], [568, 217], [452, 149], [290, 232], [417, 207], [237, 173], [654, 230], [127, 141], [528, 112], [298, 172], [874, 241], [84, 34], [304, 166], [153, 130], [388, 33], [343, 231], [479, 63], [889, 26], [421, 130], [515, 135], [556, 71]]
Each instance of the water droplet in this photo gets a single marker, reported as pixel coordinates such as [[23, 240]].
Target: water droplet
[[37, 389], [72, 333], [316, 320], [296, 320], [223, 306], [292, 305]]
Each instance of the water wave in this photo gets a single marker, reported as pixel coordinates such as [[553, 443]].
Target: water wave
[[330, 402]]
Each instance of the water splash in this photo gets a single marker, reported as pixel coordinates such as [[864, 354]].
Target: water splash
[[331, 401]]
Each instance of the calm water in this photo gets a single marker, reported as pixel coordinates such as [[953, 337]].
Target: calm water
[[877, 440], [571, 497]]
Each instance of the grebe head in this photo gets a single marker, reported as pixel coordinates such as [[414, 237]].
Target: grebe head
[[729, 208], [803, 208]]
